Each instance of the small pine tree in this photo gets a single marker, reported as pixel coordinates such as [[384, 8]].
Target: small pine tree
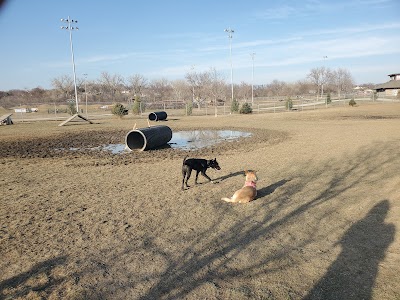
[[136, 107], [71, 109], [289, 104], [234, 106], [246, 108], [352, 102], [328, 98], [189, 108], [119, 110]]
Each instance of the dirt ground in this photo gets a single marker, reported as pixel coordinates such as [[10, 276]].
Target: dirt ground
[[94, 225]]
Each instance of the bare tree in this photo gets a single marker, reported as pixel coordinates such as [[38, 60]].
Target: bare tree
[[193, 78], [64, 85], [244, 91], [111, 84], [198, 83], [260, 90], [160, 89], [277, 88], [37, 93], [342, 80], [215, 85], [11, 98], [320, 76], [181, 89], [136, 84], [303, 87]]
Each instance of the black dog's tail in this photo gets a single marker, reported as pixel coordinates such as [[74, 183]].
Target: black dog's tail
[[184, 160]]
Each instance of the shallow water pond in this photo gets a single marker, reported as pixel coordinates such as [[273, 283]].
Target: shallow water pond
[[113, 148], [185, 140], [195, 139]]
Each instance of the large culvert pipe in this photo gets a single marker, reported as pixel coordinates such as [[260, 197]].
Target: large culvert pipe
[[158, 116], [148, 138]]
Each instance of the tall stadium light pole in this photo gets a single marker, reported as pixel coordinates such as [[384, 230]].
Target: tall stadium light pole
[[230, 35], [192, 70], [322, 85], [69, 27], [86, 94], [252, 80]]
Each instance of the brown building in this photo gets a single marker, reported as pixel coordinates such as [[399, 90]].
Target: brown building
[[390, 88]]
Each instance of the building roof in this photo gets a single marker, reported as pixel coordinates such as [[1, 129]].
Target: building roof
[[392, 84]]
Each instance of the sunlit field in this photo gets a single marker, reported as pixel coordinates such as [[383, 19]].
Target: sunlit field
[[95, 225]]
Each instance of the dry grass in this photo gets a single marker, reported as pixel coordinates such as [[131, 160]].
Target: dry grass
[[324, 225]]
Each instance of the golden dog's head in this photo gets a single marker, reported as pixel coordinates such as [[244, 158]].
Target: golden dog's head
[[251, 175]]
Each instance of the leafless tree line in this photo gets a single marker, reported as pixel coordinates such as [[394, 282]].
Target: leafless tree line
[[197, 87]]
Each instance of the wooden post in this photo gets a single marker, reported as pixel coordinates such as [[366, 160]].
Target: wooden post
[[73, 117]]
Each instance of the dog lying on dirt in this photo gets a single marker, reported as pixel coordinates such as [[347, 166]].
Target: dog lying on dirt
[[200, 165], [248, 192]]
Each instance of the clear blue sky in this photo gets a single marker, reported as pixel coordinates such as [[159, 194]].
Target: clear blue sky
[[166, 38]]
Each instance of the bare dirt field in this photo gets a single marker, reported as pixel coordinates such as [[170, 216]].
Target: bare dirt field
[[88, 224]]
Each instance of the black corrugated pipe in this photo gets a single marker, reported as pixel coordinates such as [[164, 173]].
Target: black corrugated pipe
[[158, 116], [148, 138]]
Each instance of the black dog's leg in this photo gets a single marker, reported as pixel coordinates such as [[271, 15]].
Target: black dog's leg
[[183, 179], [188, 172], [205, 175], [197, 176]]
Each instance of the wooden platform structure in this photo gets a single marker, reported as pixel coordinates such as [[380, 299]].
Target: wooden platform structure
[[75, 116], [6, 119]]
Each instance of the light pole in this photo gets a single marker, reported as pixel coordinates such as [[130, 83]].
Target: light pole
[[322, 85], [69, 27], [252, 80], [230, 32], [86, 94], [193, 72]]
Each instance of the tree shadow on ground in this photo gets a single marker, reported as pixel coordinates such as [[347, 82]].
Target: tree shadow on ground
[[22, 284], [353, 274], [271, 188], [240, 243], [324, 181]]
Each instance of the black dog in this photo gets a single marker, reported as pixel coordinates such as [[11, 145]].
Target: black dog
[[198, 164]]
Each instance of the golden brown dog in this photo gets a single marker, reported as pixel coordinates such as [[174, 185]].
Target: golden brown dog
[[248, 192]]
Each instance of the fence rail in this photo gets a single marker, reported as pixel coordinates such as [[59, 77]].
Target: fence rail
[[179, 108]]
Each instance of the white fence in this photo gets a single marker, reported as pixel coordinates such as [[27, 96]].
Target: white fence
[[179, 108]]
